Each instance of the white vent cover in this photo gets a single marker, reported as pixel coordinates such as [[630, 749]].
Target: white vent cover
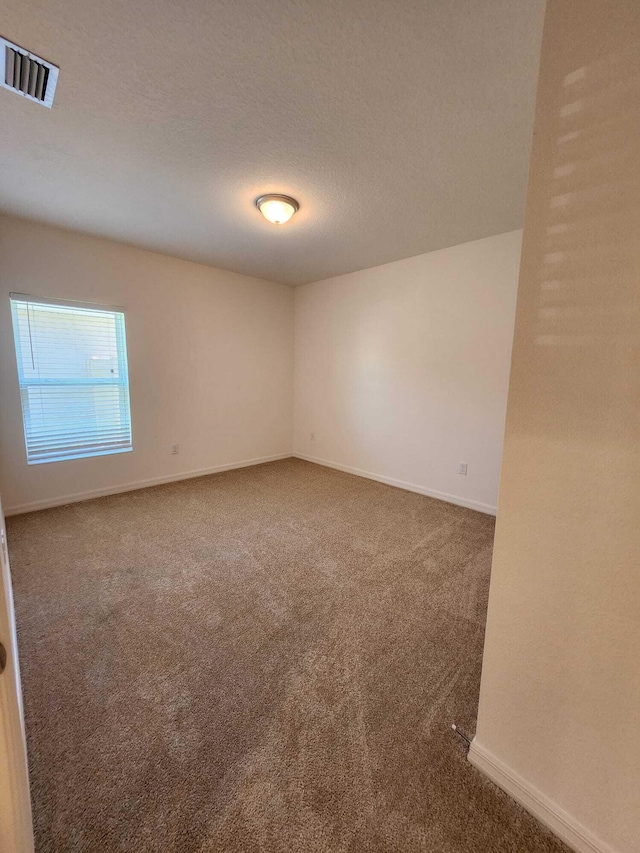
[[26, 74]]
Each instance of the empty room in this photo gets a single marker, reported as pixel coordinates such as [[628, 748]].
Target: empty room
[[319, 434]]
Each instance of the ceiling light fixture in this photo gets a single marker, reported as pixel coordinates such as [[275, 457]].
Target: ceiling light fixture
[[277, 208]]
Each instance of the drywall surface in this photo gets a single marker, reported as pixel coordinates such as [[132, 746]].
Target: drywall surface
[[210, 361], [401, 371], [560, 698]]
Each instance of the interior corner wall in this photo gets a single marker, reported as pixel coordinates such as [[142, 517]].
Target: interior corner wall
[[210, 362], [559, 711], [401, 371]]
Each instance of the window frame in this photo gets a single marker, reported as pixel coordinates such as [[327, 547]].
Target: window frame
[[121, 382]]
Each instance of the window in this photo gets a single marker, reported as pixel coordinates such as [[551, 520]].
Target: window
[[74, 383]]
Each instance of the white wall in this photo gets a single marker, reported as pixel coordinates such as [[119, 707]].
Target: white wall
[[559, 712], [210, 360], [401, 371]]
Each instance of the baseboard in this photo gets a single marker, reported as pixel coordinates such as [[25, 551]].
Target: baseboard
[[562, 824], [47, 503], [401, 484]]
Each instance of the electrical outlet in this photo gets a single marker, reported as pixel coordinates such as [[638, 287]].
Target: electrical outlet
[[174, 449], [462, 468], [313, 436]]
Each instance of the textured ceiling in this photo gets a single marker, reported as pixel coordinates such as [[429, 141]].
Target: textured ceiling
[[400, 126]]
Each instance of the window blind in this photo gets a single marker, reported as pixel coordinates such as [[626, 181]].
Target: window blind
[[73, 375]]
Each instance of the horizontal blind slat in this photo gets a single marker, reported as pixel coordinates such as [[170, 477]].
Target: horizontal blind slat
[[61, 438]]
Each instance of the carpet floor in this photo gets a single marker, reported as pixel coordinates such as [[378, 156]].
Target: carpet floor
[[268, 660]]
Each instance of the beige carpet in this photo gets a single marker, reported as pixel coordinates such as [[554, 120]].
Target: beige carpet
[[265, 660]]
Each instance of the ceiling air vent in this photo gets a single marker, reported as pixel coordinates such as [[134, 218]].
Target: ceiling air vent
[[26, 74]]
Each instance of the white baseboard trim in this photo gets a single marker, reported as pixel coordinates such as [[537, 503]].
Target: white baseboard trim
[[47, 503], [401, 484], [562, 824]]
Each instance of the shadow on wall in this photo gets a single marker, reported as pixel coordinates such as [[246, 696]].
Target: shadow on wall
[[587, 296]]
